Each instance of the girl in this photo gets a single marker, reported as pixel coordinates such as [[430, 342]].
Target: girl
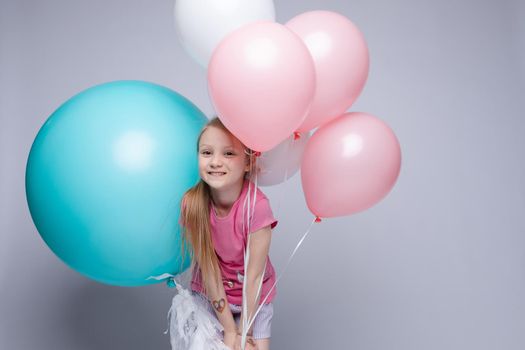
[[216, 229]]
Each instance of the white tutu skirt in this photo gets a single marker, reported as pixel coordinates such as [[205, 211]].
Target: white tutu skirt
[[191, 325]]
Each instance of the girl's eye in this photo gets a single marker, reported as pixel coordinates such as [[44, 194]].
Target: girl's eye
[[230, 153], [206, 153]]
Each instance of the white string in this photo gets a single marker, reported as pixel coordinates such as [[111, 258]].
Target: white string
[[251, 209], [282, 273], [248, 321]]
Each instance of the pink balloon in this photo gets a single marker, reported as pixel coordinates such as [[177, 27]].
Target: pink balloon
[[261, 80], [341, 62], [349, 165]]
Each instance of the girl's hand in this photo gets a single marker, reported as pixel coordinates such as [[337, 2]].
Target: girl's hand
[[230, 339], [250, 343]]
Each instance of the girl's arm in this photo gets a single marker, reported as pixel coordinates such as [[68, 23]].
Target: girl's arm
[[217, 297], [259, 248]]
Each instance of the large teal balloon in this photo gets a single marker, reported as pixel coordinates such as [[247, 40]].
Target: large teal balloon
[[105, 176]]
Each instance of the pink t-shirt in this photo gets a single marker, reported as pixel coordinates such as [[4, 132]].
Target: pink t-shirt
[[229, 239]]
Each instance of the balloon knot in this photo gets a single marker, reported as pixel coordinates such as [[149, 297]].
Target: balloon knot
[[296, 135], [317, 219], [257, 153], [170, 282]]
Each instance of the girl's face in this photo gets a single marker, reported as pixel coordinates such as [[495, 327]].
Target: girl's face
[[222, 160]]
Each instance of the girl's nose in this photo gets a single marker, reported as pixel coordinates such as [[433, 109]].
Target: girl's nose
[[216, 160]]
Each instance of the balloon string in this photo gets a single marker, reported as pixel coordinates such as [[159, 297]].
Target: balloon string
[[282, 273], [248, 321], [251, 209], [168, 277]]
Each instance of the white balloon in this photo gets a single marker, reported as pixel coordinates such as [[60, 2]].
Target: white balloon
[[202, 24], [281, 162]]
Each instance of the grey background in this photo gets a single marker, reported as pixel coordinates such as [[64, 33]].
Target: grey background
[[439, 264]]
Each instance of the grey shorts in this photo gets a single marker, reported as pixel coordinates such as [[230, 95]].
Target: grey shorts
[[262, 326]]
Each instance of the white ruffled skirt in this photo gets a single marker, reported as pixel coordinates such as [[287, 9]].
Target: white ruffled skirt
[[191, 325]]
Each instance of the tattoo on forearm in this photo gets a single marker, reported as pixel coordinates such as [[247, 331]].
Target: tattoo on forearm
[[219, 305]]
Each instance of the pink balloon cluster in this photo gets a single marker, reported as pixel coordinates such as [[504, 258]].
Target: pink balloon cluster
[[268, 81]]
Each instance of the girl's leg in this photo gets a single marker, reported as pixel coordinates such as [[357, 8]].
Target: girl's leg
[[263, 344]]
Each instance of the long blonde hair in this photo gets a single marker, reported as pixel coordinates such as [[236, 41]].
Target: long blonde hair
[[195, 214]]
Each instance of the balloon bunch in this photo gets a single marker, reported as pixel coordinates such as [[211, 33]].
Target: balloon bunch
[[107, 170], [271, 83]]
